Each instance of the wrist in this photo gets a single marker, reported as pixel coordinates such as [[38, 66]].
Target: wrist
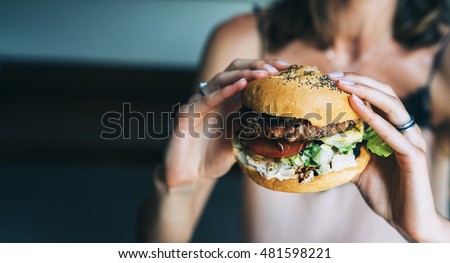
[[162, 185], [442, 233], [438, 230], [175, 209]]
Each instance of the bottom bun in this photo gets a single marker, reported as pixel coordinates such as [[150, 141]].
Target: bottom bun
[[319, 183]]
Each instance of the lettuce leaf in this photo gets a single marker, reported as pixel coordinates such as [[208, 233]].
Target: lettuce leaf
[[348, 149], [310, 152], [292, 160], [375, 144], [324, 155]]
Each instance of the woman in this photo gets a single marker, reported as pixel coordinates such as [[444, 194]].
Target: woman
[[394, 42]]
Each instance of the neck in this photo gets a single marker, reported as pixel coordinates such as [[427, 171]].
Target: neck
[[359, 24]]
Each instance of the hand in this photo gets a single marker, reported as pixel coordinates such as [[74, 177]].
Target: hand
[[396, 188], [191, 155]]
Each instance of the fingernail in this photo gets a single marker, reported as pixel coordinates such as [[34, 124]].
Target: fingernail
[[357, 99], [284, 63], [347, 82], [259, 71], [336, 74], [270, 68], [241, 80]]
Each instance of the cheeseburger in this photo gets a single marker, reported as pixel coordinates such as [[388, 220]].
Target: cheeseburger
[[298, 133]]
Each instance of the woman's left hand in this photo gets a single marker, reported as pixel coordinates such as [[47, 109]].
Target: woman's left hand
[[396, 188]]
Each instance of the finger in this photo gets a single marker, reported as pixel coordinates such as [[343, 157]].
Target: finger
[[229, 77], [220, 96], [413, 135], [226, 78], [387, 132], [270, 65], [366, 81], [390, 105]]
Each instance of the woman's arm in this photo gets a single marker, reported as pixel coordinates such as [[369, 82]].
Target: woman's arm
[[170, 214], [440, 161], [191, 166], [440, 90]]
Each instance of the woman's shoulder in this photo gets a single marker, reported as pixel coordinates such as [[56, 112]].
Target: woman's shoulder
[[244, 25], [232, 39], [238, 35]]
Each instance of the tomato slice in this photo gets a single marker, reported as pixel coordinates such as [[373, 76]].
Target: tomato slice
[[273, 148]]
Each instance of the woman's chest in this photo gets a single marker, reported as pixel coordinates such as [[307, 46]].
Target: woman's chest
[[336, 215]]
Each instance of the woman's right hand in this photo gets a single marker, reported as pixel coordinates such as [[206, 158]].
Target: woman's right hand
[[396, 188], [192, 155]]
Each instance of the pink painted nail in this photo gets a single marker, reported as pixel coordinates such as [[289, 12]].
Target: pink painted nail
[[336, 74], [357, 99], [283, 63], [270, 68], [347, 82]]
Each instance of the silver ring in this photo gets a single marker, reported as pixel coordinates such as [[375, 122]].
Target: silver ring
[[409, 125], [202, 87]]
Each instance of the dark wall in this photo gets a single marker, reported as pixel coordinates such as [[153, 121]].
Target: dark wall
[[55, 110], [59, 181]]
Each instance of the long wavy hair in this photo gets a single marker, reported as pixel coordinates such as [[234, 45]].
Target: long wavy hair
[[416, 23]]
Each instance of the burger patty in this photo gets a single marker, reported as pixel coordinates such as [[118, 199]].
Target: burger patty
[[255, 125]]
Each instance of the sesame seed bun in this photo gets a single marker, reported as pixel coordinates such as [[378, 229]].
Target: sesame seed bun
[[300, 92]]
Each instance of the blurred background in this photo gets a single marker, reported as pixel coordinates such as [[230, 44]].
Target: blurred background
[[63, 64]]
